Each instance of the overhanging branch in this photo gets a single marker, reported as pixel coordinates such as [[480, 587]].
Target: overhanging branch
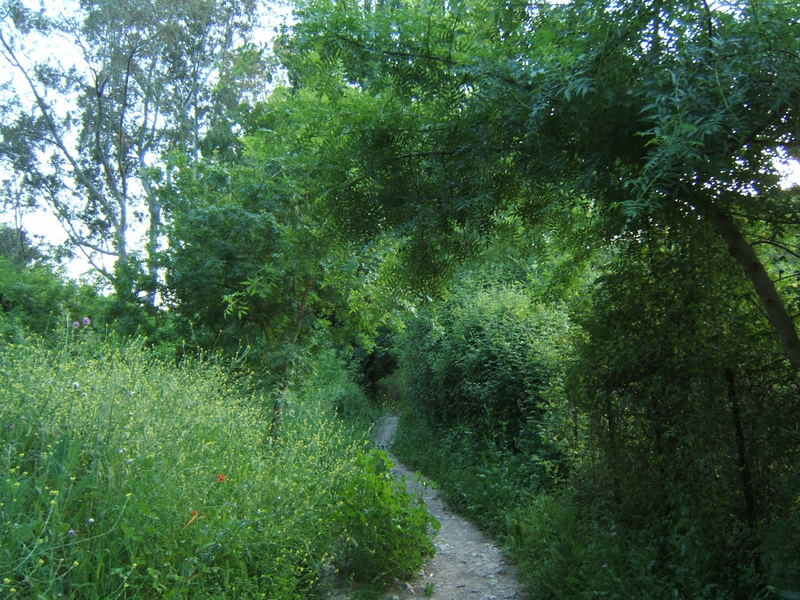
[[742, 251]]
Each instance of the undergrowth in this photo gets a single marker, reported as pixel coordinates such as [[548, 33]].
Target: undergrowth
[[123, 476], [572, 455], [566, 542], [476, 479]]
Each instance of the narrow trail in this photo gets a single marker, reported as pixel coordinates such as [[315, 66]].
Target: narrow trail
[[467, 565]]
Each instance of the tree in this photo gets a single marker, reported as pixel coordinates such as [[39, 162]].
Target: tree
[[130, 81], [643, 136], [632, 113], [252, 261], [16, 245]]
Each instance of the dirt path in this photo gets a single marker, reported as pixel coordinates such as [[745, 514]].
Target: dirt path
[[467, 565]]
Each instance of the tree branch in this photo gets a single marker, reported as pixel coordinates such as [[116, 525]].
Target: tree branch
[[777, 245], [12, 59], [743, 252], [395, 53]]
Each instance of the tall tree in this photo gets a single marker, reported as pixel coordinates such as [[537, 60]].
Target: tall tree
[[125, 83], [632, 112]]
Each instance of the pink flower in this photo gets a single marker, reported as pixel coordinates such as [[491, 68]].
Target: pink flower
[[87, 321]]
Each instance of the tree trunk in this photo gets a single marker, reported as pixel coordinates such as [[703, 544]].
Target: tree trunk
[[742, 464], [152, 260], [750, 547], [301, 312], [745, 255], [613, 450]]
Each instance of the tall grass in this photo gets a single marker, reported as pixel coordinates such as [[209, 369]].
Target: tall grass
[[125, 476]]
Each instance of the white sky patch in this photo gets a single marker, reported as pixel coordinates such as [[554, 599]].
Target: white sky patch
[[789, 168]]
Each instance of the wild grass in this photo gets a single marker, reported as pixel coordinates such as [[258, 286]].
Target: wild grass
[[476, 479], [123, 476]]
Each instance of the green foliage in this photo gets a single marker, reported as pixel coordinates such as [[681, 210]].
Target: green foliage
[[384, 535], [671, 421], [476, 478], [489, 358], [566, 551], [567, 547], [647, 446], [685, 406], [343, 397], [220, 233], [444, 118], [640, 135], [484, 411], [15, 243], [125, 476], [35, 299], [253, 264]]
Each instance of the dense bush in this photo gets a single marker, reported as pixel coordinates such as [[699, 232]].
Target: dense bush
[[655, 451], [476, 478], [489, 359], [383, 534], [481, 375], [694, 420], [124, 476], [36, 299], [566, 550]]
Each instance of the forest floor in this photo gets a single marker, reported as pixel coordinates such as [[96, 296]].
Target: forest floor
[[467, 565]]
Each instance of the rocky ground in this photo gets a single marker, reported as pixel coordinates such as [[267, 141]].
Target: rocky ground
[[467, 565]]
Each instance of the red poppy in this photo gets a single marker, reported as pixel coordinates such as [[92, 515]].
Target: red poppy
[[221, 477]]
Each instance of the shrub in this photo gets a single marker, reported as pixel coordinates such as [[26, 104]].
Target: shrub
[[694, 421], [567, 548], [35, 299], [373, 510], [491, 361], [477, 479]]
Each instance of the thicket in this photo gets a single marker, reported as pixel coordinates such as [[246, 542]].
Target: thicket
[[35, 299], [125, 476], [693, 419], [654, 447], [481, 377]]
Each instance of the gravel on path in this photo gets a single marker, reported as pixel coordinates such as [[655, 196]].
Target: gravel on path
[[467, 565]]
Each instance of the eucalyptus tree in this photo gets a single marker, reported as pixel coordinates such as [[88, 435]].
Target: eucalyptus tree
[[99, 94], [628, 113]]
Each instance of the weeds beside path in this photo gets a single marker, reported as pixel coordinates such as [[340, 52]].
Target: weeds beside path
[[467, 565], [128, 476]]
